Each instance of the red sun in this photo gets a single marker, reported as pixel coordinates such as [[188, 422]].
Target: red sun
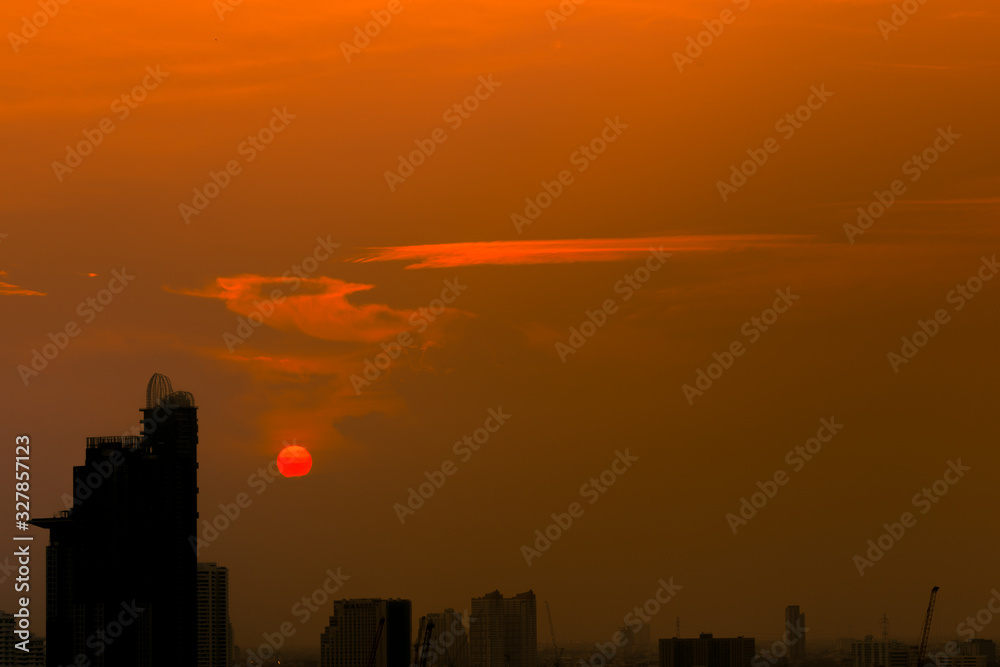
[[294, 461]]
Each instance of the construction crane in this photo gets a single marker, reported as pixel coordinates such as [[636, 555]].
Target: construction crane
[[378, 635], [418, 641], [925, 634], [425, 649], [555, 647], [885, 627]]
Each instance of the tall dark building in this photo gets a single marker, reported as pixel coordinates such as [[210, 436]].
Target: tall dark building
[[121, 572], [707, 651]]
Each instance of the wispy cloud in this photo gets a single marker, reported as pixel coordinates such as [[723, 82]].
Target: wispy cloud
[[8, 289], [566, 251], [318, 307]]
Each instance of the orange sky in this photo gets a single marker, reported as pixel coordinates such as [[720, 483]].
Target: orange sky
[[451, 265]]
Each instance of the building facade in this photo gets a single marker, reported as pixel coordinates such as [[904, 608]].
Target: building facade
[[986, 647], [363, 626], [973, 660], [871, 653], [503, 631]]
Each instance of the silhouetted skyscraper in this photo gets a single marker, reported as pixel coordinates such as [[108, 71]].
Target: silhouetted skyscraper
[[504, 631], [215, 631], [794, 634], [121, 573], [707, 651], [350, 637]]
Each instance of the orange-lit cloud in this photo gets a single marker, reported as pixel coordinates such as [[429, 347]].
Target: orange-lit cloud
[[8, 289], [565, 251], [317, 307]]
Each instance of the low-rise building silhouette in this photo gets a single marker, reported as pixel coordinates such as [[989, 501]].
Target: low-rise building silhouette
[[707, 651], [10, 653]]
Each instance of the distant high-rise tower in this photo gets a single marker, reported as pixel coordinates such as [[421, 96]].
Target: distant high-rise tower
[[504, 631], [449, 641], [637, 641], [122, 557], [794, 634], [215, 631], [707, 651], [350, 637], [644, 638]]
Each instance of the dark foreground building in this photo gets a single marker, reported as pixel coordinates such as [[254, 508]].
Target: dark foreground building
[[707, 651], [120, 570]]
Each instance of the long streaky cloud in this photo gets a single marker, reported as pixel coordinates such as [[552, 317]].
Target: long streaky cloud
[[9, 289], [567, 251]]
